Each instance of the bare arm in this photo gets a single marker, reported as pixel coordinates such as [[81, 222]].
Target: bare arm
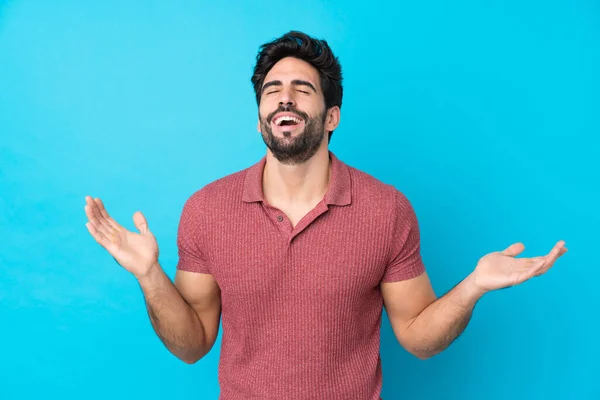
[[185, 315], [422, 323], [425, 325]]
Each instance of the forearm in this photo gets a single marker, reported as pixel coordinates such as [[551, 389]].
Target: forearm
[[438, 325], [173, 320]]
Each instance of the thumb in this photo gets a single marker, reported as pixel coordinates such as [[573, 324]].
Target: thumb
[[140, 222], [514, 249]]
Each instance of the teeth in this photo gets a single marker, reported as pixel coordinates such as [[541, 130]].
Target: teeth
[[279, 120]]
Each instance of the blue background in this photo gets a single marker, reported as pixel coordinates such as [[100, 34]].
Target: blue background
[[485, 114]]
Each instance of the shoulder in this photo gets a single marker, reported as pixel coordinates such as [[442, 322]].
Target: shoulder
[[381, 201], [217, 194], [371, 191]]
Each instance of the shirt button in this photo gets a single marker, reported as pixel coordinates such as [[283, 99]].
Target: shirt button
[[279, 218]]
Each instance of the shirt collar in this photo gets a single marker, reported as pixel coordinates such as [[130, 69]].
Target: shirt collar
[[338, 193]]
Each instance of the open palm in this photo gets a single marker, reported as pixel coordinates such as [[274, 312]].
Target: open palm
[[136, 252], [501, 269]]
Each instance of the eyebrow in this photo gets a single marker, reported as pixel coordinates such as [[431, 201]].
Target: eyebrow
[[295, 82]]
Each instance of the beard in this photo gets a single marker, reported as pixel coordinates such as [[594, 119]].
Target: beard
[[294, 150]]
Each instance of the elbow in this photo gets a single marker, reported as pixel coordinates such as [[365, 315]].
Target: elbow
[[191, 357], [191, 354], [190, 361], [423, 355], [417, 349], [423, 350], [426, 353]]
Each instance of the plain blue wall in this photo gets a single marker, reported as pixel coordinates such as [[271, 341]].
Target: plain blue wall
[[485, 116]]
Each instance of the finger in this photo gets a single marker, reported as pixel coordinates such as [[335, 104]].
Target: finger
[[102, 221], [100, 225], [94, 211], [539, 265], [514, 249], [102, 210], [98, 236], [140, 222], [89, 212], [101, 207], [558, 250], [93, 217], [533, 261], [532, 267], [110, 220], [529, 264]]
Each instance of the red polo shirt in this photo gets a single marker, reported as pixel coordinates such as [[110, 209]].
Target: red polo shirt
[[302, 306]]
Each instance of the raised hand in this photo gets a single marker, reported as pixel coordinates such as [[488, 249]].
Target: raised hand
[[501, 269], [136, 252]]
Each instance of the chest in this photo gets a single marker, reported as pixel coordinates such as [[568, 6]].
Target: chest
[[324, 263]]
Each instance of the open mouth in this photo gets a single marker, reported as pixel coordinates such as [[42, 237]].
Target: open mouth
[[287, 120]]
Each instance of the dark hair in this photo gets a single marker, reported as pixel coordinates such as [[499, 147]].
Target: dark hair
[[314, 51]]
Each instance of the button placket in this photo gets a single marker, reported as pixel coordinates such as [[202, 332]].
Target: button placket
[[279, 218]]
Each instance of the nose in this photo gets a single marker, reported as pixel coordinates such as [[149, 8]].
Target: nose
[[287, 98]]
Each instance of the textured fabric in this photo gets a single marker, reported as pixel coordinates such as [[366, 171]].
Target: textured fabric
[[302, 306]]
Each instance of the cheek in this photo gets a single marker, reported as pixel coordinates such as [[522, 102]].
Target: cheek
[[311, 106], [263, 113], [266, 107]]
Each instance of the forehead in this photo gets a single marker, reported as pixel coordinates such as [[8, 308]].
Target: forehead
[[289, 68]]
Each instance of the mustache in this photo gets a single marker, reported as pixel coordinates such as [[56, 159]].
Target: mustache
[[290, 109]]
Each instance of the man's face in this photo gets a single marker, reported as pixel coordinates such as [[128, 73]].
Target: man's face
[[292, 115]]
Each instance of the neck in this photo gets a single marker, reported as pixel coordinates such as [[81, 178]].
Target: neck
[[301, 184]]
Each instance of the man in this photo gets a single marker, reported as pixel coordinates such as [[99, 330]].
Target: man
[[299, 253]]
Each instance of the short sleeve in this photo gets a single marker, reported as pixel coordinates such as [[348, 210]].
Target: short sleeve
[[192, 254], [404, 260]]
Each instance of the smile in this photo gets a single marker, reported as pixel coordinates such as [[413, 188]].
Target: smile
[[286, 119]]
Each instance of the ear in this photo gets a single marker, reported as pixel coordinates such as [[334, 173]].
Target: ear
[[258, 127], [332, 119]]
